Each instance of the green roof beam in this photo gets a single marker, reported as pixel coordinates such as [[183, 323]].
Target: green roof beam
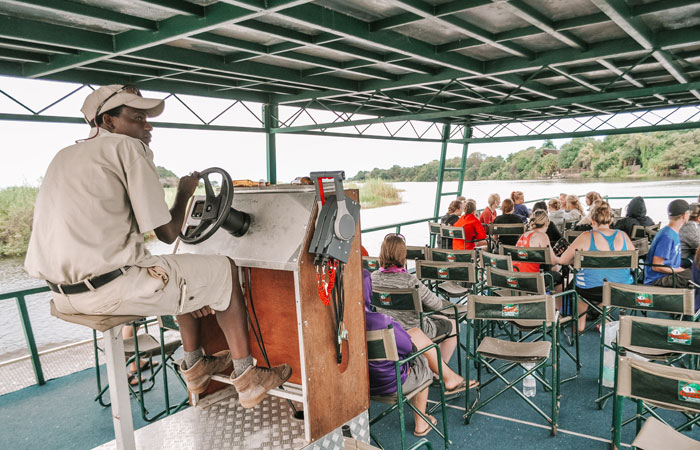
[[453, 7], [89, 12], [178, 7], [23, 56], [46, 33]]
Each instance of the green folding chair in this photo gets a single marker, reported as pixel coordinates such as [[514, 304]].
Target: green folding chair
[[642, 246], [642, 298], [449, 255], [448, 276], [607, 260], [503, 229], [571, 235], [654, 386], [381, 346], [656, 434], [503, 262], [371, 263], [543, 354], [414, 252], [434, 233], [540, 255]]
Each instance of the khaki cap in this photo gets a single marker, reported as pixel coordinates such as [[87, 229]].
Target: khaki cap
[[114, 95]]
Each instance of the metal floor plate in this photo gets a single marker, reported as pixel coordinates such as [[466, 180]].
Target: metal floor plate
[[227, 425]]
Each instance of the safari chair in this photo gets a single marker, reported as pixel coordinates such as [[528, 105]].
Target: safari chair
[[628, 259], [654, 386], [111, 326], [503, 229], [448, 275], [571, 235], [414, 252], [541, 255], [656, 434], [381, 346], [434, 232], [447, 255], [503, 262], [645, 232], [451, 232], [508, 283], [543, 354], [643, 298], [642, 246], [371, 263]]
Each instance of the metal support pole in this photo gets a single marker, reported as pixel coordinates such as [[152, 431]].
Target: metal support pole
[[31, 343], [465, 153], [270, 121], [441, 168], [119, 389]]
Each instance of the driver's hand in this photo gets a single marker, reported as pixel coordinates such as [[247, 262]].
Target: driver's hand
[[188, 184], [202, 312]]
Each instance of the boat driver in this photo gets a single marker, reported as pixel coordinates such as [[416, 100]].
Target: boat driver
[[98, 198]]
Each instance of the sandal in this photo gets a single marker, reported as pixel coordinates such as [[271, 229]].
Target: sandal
[[145, 365], [428, 429], [461, 387], [133, 380]]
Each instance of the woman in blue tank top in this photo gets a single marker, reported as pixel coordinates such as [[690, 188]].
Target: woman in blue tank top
[[589, 282]]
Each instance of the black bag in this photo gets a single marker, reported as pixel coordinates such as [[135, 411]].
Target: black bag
[[560, 246]]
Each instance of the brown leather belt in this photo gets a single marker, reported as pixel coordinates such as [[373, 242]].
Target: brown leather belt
[[87, 285]]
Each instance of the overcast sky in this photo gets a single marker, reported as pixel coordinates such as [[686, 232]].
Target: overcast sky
[[29, 146]]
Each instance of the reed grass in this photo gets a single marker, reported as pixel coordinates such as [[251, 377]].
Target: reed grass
[[16, 211], [375, 193]]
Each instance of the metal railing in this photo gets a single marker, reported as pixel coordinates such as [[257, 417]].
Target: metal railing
[[19, 296]]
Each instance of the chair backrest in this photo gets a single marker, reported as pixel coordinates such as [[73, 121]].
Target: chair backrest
[[665, 386], [606, 260], [434, 228], [168, 323], [662, 334], [381, 345], [641, 245], [570, 224], [503, 262], [571, 235], [397, 299], [542, 255], [370, 263], [530, 307], [638, 232], [648, 298], [443, 255], [416, 252], [506, 229], [446, 271], [529, 282], [451, 232]]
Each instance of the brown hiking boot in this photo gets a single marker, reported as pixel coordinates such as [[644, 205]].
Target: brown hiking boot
[[198, 376], [253, 384]]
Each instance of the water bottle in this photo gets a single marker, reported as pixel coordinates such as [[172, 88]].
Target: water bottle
[[529, 382]]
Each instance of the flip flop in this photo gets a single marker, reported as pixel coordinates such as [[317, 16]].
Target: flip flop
[[145, 365], [133, 380], [461, 387], [433, 420], [473, 384]]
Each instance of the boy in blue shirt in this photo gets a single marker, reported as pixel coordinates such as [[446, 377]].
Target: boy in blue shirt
[[665, 251]]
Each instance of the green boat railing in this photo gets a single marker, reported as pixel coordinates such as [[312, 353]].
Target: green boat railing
[[19, 297]]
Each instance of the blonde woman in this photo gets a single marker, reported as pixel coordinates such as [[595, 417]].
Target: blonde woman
[[592, 197], [574, 210], [536, 236], [556, 214], [489, 214]]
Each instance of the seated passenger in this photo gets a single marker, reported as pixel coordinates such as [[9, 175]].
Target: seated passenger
[[556, 214], [536, 236], [585, 223], [392, 274], [690, 234], [562, 200], [488, 215], [592, 197], [473, 229], [553, 232], [665, 250], [520, 209], [636, 215], [507, 217], [375, 321], [454, 212], [589, 282], [574, 210]]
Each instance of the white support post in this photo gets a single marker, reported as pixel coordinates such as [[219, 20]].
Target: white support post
[[119, 389]]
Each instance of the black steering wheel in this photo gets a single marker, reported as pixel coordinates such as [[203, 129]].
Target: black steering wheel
[[216, 211]]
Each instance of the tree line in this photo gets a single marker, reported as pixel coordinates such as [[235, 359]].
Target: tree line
[[665, 153]]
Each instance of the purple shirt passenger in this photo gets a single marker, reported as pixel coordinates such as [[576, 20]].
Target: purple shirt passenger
[[382, 375]]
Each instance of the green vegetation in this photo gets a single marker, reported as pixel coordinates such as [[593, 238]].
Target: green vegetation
[[375, 193], [673, 153], [16, 210]]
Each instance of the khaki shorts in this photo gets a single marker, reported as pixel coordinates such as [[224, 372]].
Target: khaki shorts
[[170, 285]]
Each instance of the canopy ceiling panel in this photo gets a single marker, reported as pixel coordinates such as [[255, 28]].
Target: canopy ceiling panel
[[466, 61]]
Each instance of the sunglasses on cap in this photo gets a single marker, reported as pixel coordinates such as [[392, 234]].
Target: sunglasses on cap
[[403, 238], [128, 88]]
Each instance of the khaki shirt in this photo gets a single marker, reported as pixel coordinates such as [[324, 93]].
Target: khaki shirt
[[97, 199]]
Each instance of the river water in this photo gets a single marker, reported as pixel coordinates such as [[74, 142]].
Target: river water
[[418, 201]]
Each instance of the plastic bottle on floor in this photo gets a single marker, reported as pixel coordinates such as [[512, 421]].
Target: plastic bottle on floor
[[529, 382]]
